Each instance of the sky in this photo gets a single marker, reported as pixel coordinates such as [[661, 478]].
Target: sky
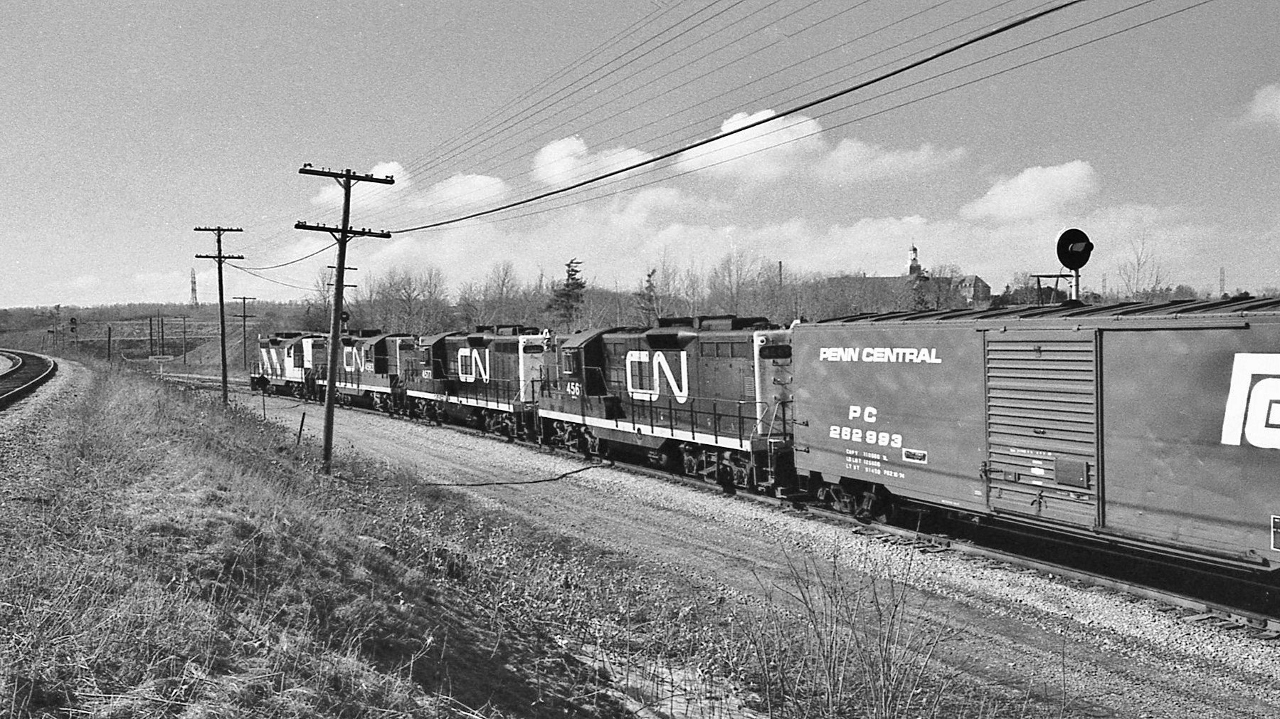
[[1153, 126]]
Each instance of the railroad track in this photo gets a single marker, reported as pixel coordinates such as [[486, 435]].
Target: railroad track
[[27, 371], [1193, 607], [1258, 614]]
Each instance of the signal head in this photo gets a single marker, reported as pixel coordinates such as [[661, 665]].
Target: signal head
[[1074, 248]]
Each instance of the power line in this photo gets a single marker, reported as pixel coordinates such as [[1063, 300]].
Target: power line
[[290, 262], [893, 107], [827, 18], [645, 168], [751, 125]]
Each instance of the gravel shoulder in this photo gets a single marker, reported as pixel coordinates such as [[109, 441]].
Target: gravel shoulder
[[1108, 654]]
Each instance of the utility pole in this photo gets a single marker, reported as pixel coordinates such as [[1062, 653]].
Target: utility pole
[[222, 315], [184, 338], [345, 179], [244, 330]]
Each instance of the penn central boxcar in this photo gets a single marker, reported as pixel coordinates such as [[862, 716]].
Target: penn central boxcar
[[1152, 425]]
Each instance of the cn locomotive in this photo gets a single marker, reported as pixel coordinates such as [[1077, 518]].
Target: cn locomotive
[[1154, 426]]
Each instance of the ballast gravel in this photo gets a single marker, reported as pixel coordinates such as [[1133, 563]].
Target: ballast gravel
[[1108, 654]]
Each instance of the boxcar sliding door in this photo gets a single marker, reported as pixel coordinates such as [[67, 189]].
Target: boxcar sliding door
[[1042, 425]]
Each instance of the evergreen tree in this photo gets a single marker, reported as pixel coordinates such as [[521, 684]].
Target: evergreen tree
[[566, 298]]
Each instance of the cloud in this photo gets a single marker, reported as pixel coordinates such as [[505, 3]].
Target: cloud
[[1035, 192], [762, 154], [566, 161], [641, 208], [366, 194], [463, 192], [857, 161], [1265, 108]]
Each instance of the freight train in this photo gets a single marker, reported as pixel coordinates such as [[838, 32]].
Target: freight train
[[1152, 426]]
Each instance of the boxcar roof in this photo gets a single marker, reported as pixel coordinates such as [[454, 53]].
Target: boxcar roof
[[1085, 314]]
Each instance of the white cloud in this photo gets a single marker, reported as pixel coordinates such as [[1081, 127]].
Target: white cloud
[[366, 194], [1033, 193], [640, 208], [463, 191], [765, 153], [1265, 108], [857, 161], [566, 161]]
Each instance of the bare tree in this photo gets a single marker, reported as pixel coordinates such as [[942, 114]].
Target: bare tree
[[732, 283], [318, 305], [1141, 274], [690, 288]]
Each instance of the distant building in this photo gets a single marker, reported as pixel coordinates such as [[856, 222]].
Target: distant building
[[917, 290]]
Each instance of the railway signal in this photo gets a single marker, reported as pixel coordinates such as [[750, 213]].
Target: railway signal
[[1074, 248]]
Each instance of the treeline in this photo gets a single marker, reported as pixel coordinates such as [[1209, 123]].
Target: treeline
[[421, 300]]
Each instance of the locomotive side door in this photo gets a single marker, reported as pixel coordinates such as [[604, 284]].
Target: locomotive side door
[[1042, 400]]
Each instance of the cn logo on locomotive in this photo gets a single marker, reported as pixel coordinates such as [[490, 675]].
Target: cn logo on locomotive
[[1253, 407], [643, 381], [472, 364]]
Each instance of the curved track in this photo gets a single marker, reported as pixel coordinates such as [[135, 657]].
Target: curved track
[[27, 372]]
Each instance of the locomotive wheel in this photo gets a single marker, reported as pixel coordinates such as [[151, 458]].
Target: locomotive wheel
[[876, 508], [841, 500], [689, 463], [590, 444]]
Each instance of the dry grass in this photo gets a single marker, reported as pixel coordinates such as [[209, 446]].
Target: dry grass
[[177, 558]]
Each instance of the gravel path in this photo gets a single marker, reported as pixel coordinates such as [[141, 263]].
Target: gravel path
[[24, 445], [1115, 656]]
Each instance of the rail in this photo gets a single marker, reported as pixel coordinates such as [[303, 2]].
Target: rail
[[27, 372]]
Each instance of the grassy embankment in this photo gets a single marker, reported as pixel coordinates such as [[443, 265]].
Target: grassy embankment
[[166, 556]]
